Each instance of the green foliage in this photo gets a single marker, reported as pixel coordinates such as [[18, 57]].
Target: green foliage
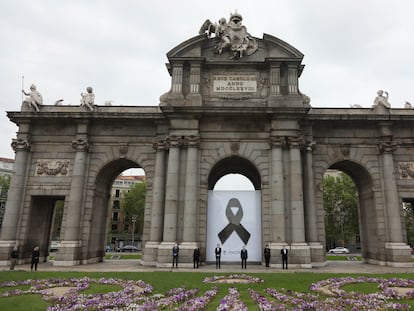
[[340, 200], [4, 186], [133, 203], [408, 212]]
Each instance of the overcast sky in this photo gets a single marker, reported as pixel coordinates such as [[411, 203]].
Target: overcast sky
[[352, 48]]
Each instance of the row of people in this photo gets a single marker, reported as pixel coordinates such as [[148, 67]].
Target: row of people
[[243, 256]]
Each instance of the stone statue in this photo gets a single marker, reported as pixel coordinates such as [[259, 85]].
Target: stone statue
[[88, 98], [381, 100], [233, 36], [34, 99]]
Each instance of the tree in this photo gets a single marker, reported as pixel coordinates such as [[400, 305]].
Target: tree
[[340, 200], [4, 186], [133, 203]]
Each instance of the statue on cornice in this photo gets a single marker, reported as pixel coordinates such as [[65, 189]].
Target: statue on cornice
[[381, 100], [233, 36], [88, 98], [34, 99]]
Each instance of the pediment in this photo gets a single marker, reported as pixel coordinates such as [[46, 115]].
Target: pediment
[[203, 47]]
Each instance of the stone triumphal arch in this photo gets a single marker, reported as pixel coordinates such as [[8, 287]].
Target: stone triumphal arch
[[234, 107]]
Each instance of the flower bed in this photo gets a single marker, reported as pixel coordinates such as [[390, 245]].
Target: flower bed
[[233, 278], [65, 294]]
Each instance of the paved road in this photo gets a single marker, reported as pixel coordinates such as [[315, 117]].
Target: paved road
[[134, 266]]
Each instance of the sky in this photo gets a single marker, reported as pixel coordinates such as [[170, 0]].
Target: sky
[[352, 48]]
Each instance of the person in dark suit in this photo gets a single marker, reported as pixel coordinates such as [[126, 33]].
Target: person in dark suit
[[284, 252], [243, 255], [266, 253], [35, 258], [14, 256], [217, 251], [196, 257], [175, 252]]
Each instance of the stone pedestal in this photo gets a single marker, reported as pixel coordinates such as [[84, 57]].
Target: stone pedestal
[[300, 255], [398, 255], [68, 254], [5, 249], [164, 256], [150, 254], [318, 254]]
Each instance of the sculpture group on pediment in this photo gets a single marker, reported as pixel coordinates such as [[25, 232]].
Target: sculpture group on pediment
[[233, 36]]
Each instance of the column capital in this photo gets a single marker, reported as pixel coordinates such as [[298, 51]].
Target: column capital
[[294, 141], [159, 145], [20, 145], [279, 141], [309, 145], [388, 146], [192, 141], [174, 141], [80, 144]]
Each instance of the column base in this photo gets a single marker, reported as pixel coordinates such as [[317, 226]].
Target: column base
[[398, 255], [150, 254], [5, 249], [318, 254], [68, 254]]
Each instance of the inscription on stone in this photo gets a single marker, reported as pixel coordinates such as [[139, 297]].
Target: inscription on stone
[[234, 83]]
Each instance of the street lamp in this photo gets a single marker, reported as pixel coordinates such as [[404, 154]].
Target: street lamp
[[134, 220]]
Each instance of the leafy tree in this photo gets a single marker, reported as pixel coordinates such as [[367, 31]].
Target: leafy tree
[[340, 200], [133, 203], [4, 186], [408, 212]]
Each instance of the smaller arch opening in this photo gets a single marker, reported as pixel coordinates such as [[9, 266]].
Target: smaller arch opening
[[231, 166]]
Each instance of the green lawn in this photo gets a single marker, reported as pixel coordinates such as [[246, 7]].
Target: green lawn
[[163, 281]]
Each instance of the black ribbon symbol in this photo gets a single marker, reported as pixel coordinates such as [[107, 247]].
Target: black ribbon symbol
[[234, 223]]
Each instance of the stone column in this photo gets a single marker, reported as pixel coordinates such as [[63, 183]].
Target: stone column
[[277, 197], [157, 209], [293, 79], [16, 192], [311, 228], [177, 80], [392, 204], [171, 197], [191, 191], [68, 254], [296, 191], [158, 193], [77, 186], [275, 80], [195, 79]]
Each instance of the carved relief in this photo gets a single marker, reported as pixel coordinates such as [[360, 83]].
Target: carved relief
[[123, 150], [52, 167], [406, 170], [235, 147]]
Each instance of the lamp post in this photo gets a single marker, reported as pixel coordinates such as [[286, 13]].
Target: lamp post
[[134, 220]]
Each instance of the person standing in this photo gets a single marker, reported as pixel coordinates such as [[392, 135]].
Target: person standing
[[175, 252], [284, 252], [217, 251], [266, 254], [14, 256], [196, 257], [35, 258], [243, 255]]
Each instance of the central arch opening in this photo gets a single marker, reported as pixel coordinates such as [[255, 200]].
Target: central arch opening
[[234, 210]]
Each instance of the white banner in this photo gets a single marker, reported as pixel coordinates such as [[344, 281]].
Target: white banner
[[233, 220]]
